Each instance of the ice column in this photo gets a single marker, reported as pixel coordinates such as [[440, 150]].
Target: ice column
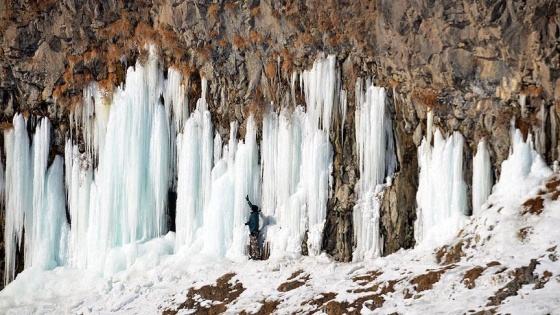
[[441, 195], [121, 200], [18, 192], [297, 161], [247, 181], [79, 177], [195, 160], [482, 177], [35, 200], [176, 109], [376, 156], [319, 86], [284, 195], [50, 226], [48, 222]]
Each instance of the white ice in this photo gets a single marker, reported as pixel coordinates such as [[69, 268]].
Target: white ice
[[482, 177], [442, 192], [35, 200], [117, 191], [18, 191], [376, 156]]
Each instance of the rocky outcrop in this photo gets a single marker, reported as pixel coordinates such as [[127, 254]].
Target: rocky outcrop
[[472, 63]]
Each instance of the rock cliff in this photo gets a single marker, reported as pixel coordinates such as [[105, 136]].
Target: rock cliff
[[477, 65]]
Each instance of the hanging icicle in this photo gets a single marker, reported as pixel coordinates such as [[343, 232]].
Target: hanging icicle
[[482, 177], [442, 192], [377, 161]]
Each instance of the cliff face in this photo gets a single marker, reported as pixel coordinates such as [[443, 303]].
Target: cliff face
[[468, 62]]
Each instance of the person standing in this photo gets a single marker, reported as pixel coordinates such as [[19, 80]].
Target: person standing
[[253, 223]]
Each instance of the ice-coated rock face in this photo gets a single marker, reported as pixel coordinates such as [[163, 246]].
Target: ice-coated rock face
[[448, 56]]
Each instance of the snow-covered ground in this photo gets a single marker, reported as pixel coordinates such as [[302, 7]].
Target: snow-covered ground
[[486, 267]]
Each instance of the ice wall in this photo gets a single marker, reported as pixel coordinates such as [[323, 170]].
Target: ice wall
[[194, 159], [35, 200], [296, 161], [284, 198], [212, 184], [376, 156], [442, 192], [138, 143], [117, 191], [320, 87], [482, 177], [18, 192]]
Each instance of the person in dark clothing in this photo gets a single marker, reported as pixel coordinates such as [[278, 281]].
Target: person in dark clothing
[[253, 223]]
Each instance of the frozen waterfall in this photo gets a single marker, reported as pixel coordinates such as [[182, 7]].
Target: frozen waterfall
[[35, 201], [98, 206], [139, 142], [377, 161], [442, 192]]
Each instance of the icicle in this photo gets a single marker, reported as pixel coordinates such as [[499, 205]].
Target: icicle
[[522, 104], [293, 88], [189, 186], [430, 127], [540, 132], [125, 202], [195, 161], [284, 192], [247, 182], [79, 176], [441, 195], [269, 154], [482, 177], [376, 156], [159, 171], [175, 99], [343, 110], [319, 84], [41, 143], [19, 187], [2, 184]]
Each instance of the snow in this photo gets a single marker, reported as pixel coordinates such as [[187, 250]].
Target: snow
[[160, 280]]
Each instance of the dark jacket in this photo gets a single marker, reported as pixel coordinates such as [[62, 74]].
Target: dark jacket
[[253, 222]]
